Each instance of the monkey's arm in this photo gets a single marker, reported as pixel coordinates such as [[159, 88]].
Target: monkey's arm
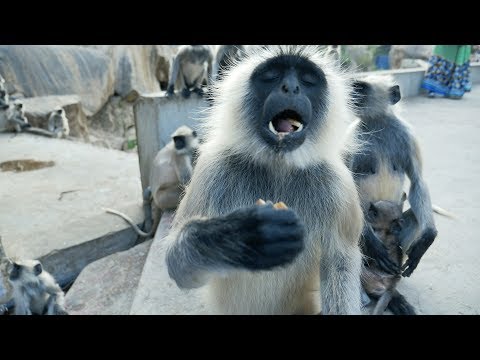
[[173, 74], [254, 238], [341, 261], [183, 168], [21, 306], [421, 205], [51, 123], [19, 121], [374, 249], [209, 67]]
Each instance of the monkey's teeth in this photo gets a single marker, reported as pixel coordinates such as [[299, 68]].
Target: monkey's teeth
[[297, 124], [272, 129]]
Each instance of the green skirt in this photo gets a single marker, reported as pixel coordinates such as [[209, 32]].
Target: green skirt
[[449, 71]]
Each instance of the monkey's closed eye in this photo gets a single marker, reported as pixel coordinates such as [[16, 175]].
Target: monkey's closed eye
[[308, 78], [270, 75]]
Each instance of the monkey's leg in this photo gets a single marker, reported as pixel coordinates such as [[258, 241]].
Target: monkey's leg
[[373, 248], [173, 76], [421, 205], [340, 281], [22, 307], [147, 208], [382, 303], [399, 305], [254, 238]]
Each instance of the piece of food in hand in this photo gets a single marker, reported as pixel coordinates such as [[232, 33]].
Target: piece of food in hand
[[280, 205]]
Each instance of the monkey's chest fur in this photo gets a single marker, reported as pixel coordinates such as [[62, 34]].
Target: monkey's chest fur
[[313, 193], [36, 298], [379, 167]]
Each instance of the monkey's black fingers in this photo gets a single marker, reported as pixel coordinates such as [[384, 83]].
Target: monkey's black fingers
[[388, 266]]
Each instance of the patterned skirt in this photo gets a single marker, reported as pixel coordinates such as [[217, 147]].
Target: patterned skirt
[[445, 78]]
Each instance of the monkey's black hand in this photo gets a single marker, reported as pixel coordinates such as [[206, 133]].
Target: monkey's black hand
[[170, 91], [255, 238], [378, 252], [417, 250]]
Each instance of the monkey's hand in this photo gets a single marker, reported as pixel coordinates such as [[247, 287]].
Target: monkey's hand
[[417, 250], [253, 238], [378, 252]]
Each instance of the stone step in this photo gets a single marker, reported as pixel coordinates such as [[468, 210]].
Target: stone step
[[55, 213], [108, 286], [157, 294]]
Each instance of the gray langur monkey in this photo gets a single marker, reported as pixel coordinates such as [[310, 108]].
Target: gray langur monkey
[[58, 123], [390, 151], [16, 119], [225, 56], [171, 170], [385, 217], [35, 291], [190, 67], [275, 132]]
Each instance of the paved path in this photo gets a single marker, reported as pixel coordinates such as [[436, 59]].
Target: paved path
[[447, 280]]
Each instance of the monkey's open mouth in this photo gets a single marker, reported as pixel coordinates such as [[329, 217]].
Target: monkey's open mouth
[[285, 122]]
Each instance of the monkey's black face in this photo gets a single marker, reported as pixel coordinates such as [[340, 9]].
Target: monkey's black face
[[287, 100], [179, 142], [15, 272]]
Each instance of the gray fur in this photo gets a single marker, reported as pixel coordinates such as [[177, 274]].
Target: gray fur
[[225, 56], [37, 294], [179, 166], [233, 172]]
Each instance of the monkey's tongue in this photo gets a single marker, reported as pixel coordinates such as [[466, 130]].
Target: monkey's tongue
[[286, 125]]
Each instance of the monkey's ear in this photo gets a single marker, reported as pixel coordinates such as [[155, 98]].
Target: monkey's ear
[[194, 133], [37, 269], [373, 210], [395, 94], [404, 197]]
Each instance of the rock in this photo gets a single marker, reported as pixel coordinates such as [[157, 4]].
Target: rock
[[108, 286], [400, 52], [138, 68], [42, 70], [38, 109], [157, 293]]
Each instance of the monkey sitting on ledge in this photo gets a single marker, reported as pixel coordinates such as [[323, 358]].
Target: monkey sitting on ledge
[[35, 291]]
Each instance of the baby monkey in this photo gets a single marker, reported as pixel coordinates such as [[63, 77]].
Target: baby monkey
[[35, 291], [386, 220]]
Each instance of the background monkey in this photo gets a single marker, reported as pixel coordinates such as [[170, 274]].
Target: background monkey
[[35, 291], [390, 151], [385, 217], [171, 170], [225, 56], [190, 67], [16, 119], [274, 132], [58, 123], [4, 100]]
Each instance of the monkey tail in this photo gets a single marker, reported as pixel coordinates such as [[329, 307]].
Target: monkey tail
[[132, 224], [443, 212], [38, 131]]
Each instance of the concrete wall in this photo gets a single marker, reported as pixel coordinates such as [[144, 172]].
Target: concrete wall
[[411, 79], [156, 118]]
